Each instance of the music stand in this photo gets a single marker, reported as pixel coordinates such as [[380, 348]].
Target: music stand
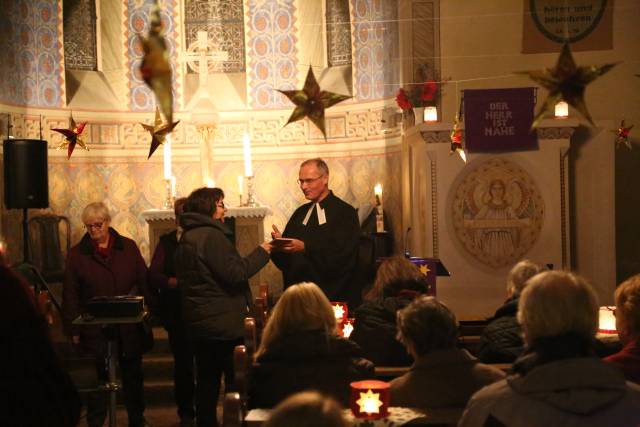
[[108, 325]]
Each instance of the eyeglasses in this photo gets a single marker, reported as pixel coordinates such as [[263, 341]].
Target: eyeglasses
[[220, 205], [96, 225], [308, 180]]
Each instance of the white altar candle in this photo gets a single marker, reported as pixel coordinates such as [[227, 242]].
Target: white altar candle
[[173, 186], [377, 190], [246, 149], [240, 184], [167, 157]]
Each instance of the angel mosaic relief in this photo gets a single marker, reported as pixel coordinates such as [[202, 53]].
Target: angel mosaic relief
[[497, 212]]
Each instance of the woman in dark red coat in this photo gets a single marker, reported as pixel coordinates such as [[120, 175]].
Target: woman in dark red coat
[[104, 263]]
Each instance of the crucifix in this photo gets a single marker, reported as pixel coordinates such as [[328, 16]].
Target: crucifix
[[202, 56], [203, 110]]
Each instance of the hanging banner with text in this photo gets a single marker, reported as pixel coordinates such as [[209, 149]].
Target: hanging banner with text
[[499, 119], [586, 24]]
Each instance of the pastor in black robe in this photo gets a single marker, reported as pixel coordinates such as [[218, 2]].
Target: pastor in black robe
[[331, 250]]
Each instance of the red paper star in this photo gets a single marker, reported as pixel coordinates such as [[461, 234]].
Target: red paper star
[[622, 135], [566, 82], [159, 132], [72, 137], [155, 67], [311, 102]]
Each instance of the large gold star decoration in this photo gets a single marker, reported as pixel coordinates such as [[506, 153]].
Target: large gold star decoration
[[622, 135], [158, 132], [566, 81], [311, 102], [155, 67], [72, 137], [456, 139], [369, 402]]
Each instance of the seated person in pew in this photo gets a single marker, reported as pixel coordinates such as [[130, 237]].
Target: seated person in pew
[[558, 381], [34, 388], [442, 376], [300, 349], [501, 341], [627, 314], [397, 283], [309, 409]]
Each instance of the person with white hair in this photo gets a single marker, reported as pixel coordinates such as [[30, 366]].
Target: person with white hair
[[501, 340], [559, 381]]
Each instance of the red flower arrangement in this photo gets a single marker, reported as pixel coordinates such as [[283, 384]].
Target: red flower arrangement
[[417, 95]]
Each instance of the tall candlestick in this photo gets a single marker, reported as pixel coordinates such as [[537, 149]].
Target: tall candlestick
[[173, 186], [240, 184], [379, 211], [246, 149], [167, 157]]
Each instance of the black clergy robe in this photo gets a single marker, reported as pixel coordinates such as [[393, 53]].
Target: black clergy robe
[[331, 250]]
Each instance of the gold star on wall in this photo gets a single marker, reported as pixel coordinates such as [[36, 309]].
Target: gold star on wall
[[158, 132], [311, 102], [566, 81]]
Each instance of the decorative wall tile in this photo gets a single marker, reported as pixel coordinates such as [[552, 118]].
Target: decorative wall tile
[[272, 51], [376, 48], [32, 71]]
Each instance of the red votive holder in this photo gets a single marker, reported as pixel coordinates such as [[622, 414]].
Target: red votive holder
[[341, 310], [369, 399]]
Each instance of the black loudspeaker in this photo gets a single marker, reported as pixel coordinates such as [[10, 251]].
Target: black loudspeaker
[[26, 180]]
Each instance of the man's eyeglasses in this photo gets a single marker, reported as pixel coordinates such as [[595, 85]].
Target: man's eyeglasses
[[309, 180], [96, 225]]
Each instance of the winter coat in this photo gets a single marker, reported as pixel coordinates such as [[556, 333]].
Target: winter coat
[[88, 275], [501, 340], [575, 392], [375, 331], [628, 360], [442, 379], [213, 279], [307, 360]]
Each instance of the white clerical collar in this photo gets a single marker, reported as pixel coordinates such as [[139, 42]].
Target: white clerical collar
[[322, 219]]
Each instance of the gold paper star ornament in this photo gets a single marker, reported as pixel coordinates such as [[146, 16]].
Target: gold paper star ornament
[[155, 67], [311, 102], [72, 137], [566, 81], [622, 135], [158, 132]]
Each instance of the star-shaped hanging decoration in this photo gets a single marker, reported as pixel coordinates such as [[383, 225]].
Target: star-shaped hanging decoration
[[338, 310], [456, 139], [566, 81], [155, 68], [622, 135], [424, 269], [311, 102], [72, 137], [158, 132]]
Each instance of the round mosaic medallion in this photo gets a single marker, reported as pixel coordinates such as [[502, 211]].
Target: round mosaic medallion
[[497, 212]]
